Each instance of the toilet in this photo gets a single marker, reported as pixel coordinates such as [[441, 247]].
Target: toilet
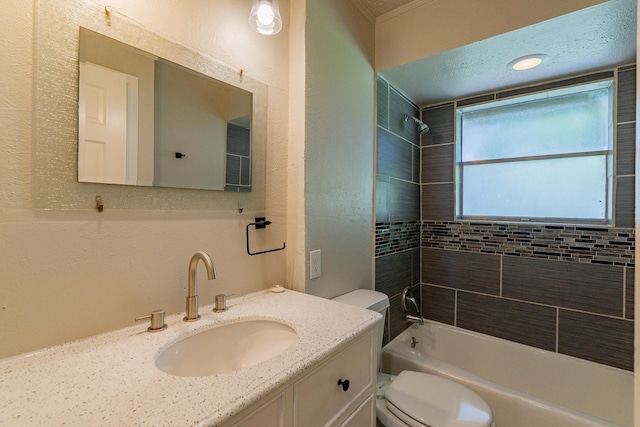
[[418, 399]]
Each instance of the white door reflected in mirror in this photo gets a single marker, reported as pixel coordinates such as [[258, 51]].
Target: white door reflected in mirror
[[108, 126]]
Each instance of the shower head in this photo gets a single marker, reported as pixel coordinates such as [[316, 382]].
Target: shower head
[[422, 126]]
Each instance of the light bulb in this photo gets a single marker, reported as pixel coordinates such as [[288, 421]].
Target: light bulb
[[265, 14], [265, 17]]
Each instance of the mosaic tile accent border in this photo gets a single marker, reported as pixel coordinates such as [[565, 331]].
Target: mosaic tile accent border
[[392, 237], [610, 246]]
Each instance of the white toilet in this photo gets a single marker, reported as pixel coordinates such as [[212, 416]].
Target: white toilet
[[417, 399]]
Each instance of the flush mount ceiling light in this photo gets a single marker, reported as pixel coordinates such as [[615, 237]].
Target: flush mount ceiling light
[[527, 62], [265, 17]]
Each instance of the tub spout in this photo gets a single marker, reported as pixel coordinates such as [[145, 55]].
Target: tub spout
[[415, 319], [192, 296]]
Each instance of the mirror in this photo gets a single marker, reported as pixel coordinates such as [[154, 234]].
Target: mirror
[[56, 125], [144, 120]]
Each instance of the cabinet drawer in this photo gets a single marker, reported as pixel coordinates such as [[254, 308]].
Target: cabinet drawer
[[271, 414], [365, 415], [318, 398]]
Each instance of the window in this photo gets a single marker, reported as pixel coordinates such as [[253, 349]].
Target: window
[[545, 157]]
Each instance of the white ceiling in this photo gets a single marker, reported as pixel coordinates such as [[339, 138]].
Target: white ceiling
[[597, 37]]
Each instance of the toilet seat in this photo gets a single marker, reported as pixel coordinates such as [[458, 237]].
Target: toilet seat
[[421, 399]]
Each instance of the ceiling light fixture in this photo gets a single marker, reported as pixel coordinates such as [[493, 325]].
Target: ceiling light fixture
[[265, 17], [527, 62]]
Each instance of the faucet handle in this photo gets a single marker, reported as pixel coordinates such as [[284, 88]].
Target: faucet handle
[[157, 321], [221, 303]]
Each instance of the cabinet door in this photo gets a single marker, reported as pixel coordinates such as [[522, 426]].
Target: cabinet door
[[365, 415], [271, 414], [320, 400]]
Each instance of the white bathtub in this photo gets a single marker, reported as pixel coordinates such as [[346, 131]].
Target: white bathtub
[[524, 386]]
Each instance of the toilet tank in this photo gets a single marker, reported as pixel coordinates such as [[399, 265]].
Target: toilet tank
[[371, 300]]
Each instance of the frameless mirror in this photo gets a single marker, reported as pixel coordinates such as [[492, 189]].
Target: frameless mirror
[[241, 120], [144, 120]]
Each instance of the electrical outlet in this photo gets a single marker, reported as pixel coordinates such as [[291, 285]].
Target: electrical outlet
[[315, 264]]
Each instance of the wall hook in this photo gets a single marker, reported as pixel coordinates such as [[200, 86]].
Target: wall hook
[[261, 222], [107, 14], [99, 204]]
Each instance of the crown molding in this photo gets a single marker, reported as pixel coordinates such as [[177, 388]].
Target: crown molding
[[402, 10], [365, 11]]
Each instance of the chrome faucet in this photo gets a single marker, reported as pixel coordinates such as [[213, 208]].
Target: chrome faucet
[[192, 297]]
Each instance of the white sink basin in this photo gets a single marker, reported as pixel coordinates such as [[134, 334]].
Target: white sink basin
[[226, 348]]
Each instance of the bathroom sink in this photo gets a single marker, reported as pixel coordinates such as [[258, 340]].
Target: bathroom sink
[[226, 348]]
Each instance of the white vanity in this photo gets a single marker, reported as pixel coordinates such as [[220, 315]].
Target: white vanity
[[325, 377], [314, 398]]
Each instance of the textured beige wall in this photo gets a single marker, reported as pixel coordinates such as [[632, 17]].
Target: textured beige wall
[[67, 275], [296, 267], [439, 25], [339, 151]]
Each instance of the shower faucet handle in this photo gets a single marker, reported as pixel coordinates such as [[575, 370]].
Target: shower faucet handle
[[407, 297]]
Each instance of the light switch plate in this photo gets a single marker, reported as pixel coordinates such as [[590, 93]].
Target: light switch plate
[[315, 264]]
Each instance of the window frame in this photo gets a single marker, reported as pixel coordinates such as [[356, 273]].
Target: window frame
[[610, 153]]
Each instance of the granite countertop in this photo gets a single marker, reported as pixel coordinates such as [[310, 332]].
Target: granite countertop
[[111, 379]]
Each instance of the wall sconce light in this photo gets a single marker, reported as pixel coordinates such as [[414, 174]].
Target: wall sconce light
[[265, 17]]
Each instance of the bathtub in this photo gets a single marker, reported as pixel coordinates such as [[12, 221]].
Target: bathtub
[[524, 386]]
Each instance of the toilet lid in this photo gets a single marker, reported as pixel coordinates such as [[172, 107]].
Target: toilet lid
[[436, 401]]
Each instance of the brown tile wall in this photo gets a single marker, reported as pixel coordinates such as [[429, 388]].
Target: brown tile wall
[[583, 310], [397, 250]]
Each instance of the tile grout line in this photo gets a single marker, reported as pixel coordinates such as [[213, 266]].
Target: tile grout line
[[624, 293], [557, 329], [501, 272], [455, 308]]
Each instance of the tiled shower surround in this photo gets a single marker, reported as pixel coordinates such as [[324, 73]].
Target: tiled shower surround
[[563, 288], [397, 237], [573, 295], [609, 246], [397, 247]]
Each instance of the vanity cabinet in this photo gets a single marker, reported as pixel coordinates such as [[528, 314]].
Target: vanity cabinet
[[305, 385], [338, 391], [271, 413]]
